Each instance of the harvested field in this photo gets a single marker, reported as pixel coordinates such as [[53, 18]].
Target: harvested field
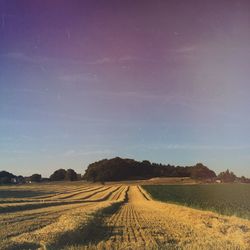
[[116, 217], [22, 219], [142, 223]]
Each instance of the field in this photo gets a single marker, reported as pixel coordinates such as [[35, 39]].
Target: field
[[227, 199], [112, 216]]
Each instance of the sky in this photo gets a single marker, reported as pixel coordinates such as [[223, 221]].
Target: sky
[[166, 81]]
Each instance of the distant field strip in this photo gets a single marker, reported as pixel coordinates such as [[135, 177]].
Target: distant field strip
[[14, 194], [10, 208], [119, 194], [104, 194], [77, 193], [88, 194], [64, 193]]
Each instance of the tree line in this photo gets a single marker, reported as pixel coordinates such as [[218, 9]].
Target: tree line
[[119, 169], [58, 175]]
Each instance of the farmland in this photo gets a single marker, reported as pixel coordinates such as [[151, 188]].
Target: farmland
[[118, 216], [227, 199]]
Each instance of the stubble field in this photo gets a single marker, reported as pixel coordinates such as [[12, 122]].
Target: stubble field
[[86, 216]]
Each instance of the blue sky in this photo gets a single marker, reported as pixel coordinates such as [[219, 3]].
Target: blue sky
[[85, 80]]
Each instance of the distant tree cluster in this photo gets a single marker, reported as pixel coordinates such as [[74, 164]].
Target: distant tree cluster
[[36, 178], [227, 176], [243, 179], [6, 177], [58, 175], [64, 175], [118, 169]]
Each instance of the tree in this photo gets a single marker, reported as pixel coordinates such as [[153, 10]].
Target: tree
[[62, 174], [243, 179], [199, 171], [20, 179], [5, 177], [5, 180], [58, 175], [35, 178], [71, 175], [227, 176], [79, 177]]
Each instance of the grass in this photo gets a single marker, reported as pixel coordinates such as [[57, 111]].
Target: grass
[[226, 199]]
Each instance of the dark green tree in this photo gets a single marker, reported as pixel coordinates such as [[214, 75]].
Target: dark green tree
[[36, 177], [71, 175], [5, 177], [227, 176], [58, 175], [199, 171]]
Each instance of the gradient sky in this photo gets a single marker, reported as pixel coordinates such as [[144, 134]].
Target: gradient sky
[[166, 81]]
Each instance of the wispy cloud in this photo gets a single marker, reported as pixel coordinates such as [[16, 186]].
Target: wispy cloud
[[191, 147], [122, 59], [185, 49], [75, 153], [15, 151], [41, 60], [27, 90], [135, 58], [68, 116], [128, 58], [103, 60], [79, 77], [26, 58], [125, 94]]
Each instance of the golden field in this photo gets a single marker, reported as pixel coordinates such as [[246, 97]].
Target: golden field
[[112, 216]]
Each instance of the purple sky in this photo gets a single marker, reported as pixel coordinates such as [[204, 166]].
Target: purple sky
[[166, 81]]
